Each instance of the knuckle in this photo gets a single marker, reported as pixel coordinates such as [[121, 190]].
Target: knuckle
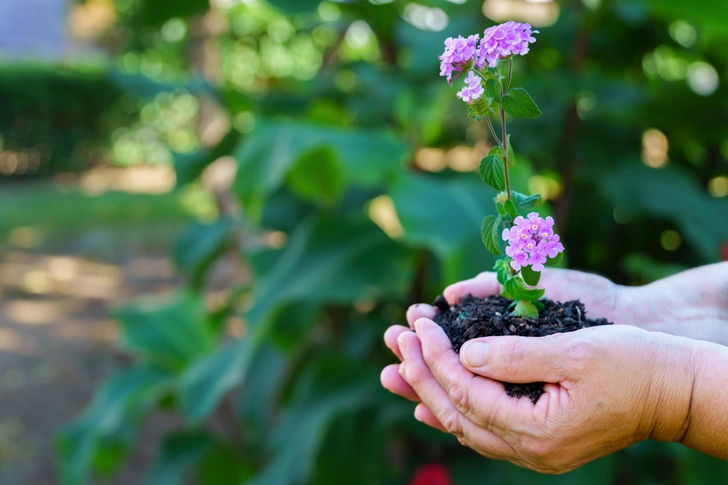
[[412, 374], [579, 354], [514, 353], [460, 398], [451, 423]]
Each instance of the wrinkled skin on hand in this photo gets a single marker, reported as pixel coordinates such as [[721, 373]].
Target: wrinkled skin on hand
[[607, 387]]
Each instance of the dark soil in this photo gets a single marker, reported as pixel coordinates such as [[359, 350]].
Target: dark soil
[[476, 317]]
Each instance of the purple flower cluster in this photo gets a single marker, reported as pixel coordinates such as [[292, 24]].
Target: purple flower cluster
[[531, 241], [458, 56], [473, 89], [499, 42], [505, 40]]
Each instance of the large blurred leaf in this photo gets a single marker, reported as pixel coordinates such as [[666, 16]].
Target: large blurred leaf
[[333, 260], [172, 330], [445, 215], [331, 388], [200, 244], [205, 383], [189, 166], [146, 87], [268, 153], [156, 12], [112, 419], [326, 260], [178, 455], [295, 6], [673, 194], [317, 176]]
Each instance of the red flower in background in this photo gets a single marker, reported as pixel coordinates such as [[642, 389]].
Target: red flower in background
[[432, 474], [724, 251]]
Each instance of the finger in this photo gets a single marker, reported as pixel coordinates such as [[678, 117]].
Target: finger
[[390, 338], [521, 359], [420, 310], [418, 375], [423, 414], [481, 400], [483, 285], [393, 382]]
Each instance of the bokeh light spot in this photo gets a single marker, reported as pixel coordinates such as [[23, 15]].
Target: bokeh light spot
[[670, 240], [718, 186], [654, 148]]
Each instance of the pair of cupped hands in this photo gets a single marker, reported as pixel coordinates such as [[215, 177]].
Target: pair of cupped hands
[[606, 387]]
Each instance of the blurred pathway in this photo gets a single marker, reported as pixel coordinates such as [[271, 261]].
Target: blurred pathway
[[56, 344]]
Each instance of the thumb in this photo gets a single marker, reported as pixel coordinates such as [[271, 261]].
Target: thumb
[[518, 360]]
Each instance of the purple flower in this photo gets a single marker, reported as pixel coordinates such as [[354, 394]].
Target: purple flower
[[459, 55], [531, 241], [503, 41], [473, 89]]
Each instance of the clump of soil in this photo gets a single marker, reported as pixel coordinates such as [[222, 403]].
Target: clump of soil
[[476, 317]]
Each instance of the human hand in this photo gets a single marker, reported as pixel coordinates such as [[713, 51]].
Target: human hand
[[603, 298], [607, 387]]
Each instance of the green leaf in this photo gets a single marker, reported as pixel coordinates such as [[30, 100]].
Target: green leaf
[[111, 421], [317, 176], [492, 172], [171, 330], [179, 454], [204, 384], [329, 388], [447, 226], [511, 153], [501, 208], [515, 289], [490, 232], [295, 6], [267, 154], [675, 195], [332, 259], [492, 90], [155, 13], [554, 262], [511, 208], [200, 244], [190, 166], [519, 104], [530, 276], [525, 202], [502, 270], [526, 309]]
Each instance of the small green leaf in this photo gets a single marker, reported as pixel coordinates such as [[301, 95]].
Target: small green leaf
[[490, 232], [515, 289], [525, 202], [518, 103], [511, 154], [492, 172], [539, 306], [318, 176], [502, 270], [553, 262], [530, 276], [492, 90], [510, 207], [526, 309], [500, 208]]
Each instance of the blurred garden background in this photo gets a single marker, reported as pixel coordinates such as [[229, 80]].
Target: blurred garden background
[[210, 211]]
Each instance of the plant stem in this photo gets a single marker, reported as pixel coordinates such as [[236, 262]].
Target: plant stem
[[510, 74], [492, 132], [504, 136]]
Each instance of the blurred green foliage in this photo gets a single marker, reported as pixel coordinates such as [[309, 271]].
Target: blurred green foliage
[[349, 153]]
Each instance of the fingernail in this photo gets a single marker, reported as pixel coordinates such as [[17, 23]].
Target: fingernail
[[402, 345], [474, 354]]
